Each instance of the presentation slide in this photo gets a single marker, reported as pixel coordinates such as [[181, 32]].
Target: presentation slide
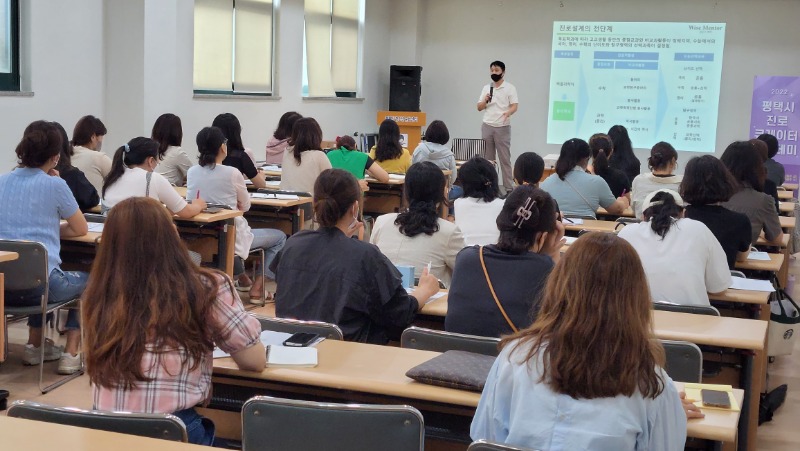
[[660, 80]]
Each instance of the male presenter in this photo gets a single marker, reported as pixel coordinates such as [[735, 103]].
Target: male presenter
[[498, 101]]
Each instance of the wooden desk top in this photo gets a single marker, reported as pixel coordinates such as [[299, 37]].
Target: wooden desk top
[[8, 256], [593, 225], [628, 213], [785, 207], [361, 367], [89, 238], [763, 241], [724, 331], [773, 265], [784, 195], [791, 186], [743, 296], [41, 436], [391, 181], [280, 203], [787, 222], [719, 425]]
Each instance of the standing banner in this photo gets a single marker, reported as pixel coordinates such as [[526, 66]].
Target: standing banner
[[776, 111]]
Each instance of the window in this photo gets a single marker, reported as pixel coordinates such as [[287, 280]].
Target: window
[[233, 46], [9, 45], [331, 49]]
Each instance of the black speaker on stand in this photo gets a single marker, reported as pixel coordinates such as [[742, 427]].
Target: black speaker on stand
[[405, 88]]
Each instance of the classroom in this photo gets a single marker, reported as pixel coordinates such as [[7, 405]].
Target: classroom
[[267, 237]]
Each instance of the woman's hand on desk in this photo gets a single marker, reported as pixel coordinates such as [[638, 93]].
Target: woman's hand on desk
[[427, 287], [363, 185], [692, 411]]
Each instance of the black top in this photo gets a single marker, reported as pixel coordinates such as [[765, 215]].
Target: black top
[[617, 181], [772, 189], [630, 168], [733, 230], [517, 280], [325, 276], [241, 161], [84, 192]]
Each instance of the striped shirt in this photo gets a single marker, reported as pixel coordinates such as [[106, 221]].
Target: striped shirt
[[173, 386]]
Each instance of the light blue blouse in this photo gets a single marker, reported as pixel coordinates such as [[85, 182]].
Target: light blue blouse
[[580, 193], [32, 205], [516, 409]]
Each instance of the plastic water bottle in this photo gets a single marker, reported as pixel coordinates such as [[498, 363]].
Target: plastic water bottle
[[790, 285]]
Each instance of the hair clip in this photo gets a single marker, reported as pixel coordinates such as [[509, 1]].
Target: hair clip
[[127, 148], [524, 212]]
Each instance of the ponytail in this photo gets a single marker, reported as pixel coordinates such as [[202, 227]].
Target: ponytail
[[602, 147], [132, 153], [662, 211], [335, 191]]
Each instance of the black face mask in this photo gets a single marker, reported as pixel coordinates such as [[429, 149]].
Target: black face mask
[[497, 77]]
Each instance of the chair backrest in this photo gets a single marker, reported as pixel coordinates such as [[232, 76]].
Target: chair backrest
[[95, 217], [696, 309], [291, 425], [294, 326], [154, 425], [466, 148], [684, 361], [27, 275], [737, 273], [483, 445], [440, 341]]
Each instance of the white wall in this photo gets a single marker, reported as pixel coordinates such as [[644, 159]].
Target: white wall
[[62, 63], [459, 38]]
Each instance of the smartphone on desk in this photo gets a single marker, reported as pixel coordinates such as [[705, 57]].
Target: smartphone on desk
[[715, 398], [301, 340]]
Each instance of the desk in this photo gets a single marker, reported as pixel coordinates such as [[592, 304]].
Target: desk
[[785, 208], [773, 265], [790, 186], [368, 373], [383, 197], [784, 195], [19, 434], [787, 222], [592, 225], [4, 257], [628, 213]]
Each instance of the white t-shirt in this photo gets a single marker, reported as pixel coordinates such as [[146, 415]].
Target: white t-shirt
[[478, 220], [133, 183], [685, 266], [174, 166], [94, 164], [503, 97]]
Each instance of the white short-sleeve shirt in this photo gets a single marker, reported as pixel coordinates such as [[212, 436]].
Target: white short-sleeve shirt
[[133, 182], [503, 97], [685, 266]]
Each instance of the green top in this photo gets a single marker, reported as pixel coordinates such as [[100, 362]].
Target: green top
[[352, 161]]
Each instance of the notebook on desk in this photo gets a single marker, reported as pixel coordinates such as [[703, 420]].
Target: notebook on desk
[[288, 356]]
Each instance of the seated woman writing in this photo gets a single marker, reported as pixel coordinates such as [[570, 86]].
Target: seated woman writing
[[152, 319]]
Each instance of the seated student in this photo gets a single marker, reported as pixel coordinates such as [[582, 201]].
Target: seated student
[[82, 190], [303, 161], [706, 184], [388, 151], [775, 170], [528, 169], [587, 374], [490, 282], [436, 149], [347, 157], [577, 192], [280, 138], [623, 159], [174, 162], [224, 185], [34, 200], [87, 141], [238, 156], [674, 248], [325, 275], [662, 162], [149, 345], [418, 236], [476, 212], [602, 150], [132, 175], [769, 186], [747, 169]]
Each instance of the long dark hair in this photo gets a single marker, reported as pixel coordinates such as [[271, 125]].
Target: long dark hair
[[602, 148], [388, 146], [285, 125], [123, 317], [135, 152], [335, 191], [573, 152], [519, 225], [424, 192], [231, 128], [306, 135], [479, 179], [65, 159], [623, 149], [167, 131], [663, 215], [209, 140], [745, 165]]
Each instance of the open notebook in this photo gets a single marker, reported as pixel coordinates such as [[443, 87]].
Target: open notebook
[[279, 355]]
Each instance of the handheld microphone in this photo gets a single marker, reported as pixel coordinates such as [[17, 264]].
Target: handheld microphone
[[491, 93]]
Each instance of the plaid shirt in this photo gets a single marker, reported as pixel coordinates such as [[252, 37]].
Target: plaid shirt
[[174, 387]]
